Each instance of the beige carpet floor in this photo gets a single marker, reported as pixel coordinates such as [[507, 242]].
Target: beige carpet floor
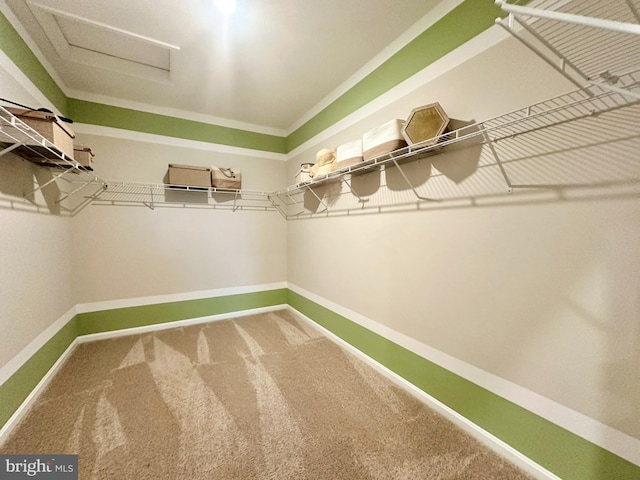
[[259, 397]]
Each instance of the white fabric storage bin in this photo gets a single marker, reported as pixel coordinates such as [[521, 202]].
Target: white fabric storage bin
[[348, 154], [383, 139]]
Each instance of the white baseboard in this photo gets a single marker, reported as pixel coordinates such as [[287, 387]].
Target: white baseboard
[[29, 401], [495, 444], [13, 365], [8, 427], [124, 332], [176, 297], [615, 441]]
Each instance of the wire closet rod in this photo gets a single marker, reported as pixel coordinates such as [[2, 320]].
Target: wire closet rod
[[622, 27]]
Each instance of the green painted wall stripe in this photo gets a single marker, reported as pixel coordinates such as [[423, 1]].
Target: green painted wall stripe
[[108, 116], [117, 319], [558, 450], [18, 387], [21, 55], [454, 29]]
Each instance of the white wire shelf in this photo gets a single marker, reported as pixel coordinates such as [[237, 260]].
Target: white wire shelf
[[20, 139], [154, 195], [593, 43], [505, 143]]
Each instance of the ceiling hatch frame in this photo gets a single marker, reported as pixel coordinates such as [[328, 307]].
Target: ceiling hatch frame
[[95, 44]]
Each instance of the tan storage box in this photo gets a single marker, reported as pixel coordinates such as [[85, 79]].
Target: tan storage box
[[226, 178], [349, 154], [383, 139], [424, 124], [83, 155], [189, 176], [49, 126]]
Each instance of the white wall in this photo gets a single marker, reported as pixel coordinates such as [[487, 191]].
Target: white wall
[[127, 252], [51, 262], [539, 289], [133, 251], [35, 253]]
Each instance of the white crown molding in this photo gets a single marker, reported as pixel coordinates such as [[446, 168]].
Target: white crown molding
[[586, 427], [435, 14], [480, 43], [15, 23], [84, 128], [175, 113], [463, 53]]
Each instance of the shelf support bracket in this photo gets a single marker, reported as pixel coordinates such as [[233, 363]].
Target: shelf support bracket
[[89, 200], [634, 10], [72, 193], [621, 27], [408, 182], [235, 201], [621, 91], [276, 205], [152, 206], [489, 142], [52, 180], [297, 204], [9, 148], [326, 207], [353, 192], [560, 69], [564, 62]]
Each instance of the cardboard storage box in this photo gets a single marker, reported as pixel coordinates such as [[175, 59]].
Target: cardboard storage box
[[383, 139], [189, 176], [83, 155], [49, 126]]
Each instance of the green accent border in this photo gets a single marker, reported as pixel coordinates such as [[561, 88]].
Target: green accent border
[[141, 316], [556, 449], [17, 388], [21, 55], [108, 116]]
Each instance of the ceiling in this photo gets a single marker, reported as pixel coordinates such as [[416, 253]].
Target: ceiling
[[267, 65]]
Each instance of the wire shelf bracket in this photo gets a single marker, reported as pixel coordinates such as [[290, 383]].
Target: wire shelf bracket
[[570, 35]]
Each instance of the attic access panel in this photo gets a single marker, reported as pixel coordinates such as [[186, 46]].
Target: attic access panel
[[96, 44]]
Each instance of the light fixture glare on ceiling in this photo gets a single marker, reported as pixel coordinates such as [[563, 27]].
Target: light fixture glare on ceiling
[[227, 7]]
